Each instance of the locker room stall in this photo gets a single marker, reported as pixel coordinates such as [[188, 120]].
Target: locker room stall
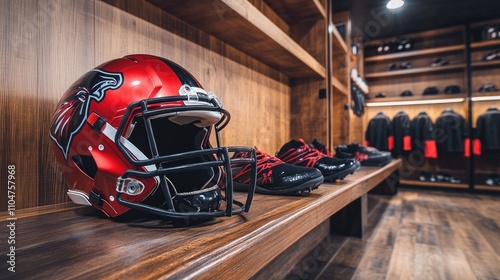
[[439, 78]]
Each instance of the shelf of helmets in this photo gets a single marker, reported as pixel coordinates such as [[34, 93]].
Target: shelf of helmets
[[141, 246], [448, 43], [484, 72]]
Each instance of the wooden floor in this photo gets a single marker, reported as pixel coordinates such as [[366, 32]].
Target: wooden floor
[[415, 235]]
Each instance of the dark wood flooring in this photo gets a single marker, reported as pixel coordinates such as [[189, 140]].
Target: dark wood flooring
[[415, 235]]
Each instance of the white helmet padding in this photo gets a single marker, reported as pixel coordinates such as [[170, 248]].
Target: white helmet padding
[[198, 118]]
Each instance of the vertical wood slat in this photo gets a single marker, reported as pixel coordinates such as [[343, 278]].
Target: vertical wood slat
[[308, 111], [67, 37], [19, 131]]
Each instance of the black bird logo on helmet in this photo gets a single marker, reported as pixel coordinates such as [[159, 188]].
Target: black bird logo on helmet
[[71, 114]]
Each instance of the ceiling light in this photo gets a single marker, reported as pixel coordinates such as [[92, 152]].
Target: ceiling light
[[486, 98], [415, 102], [394, 4]]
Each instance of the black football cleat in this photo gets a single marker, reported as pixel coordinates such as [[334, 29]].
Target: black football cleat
[[367, 156], [297, 152], [320, 147], [274, 176]]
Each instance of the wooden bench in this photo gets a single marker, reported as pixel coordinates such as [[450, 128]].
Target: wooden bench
[[64, 241]]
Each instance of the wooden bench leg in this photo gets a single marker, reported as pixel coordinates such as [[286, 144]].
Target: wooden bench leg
[[351, 220]]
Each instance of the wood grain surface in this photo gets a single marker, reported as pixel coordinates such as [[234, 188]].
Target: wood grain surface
[[309, 112], [293, 11], [57, 70], [19, 135], [415, 235], [80, 243], [242, 25]]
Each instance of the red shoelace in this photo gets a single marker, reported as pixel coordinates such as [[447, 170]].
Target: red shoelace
[[265, 163], [302, 154]]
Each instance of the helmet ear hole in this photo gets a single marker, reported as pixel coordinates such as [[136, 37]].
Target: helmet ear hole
[[86, 164]]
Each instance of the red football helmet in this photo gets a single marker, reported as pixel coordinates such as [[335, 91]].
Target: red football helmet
[[134, 133]]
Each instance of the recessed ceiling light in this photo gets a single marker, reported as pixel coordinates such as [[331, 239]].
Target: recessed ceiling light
[[394, 4]]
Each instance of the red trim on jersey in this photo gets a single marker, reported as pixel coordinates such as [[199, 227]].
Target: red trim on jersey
[[477, 147], [407, 143], [467, 147], [390, 143], [430, 149]]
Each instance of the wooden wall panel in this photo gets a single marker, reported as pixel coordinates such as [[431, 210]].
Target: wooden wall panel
[[48, 44], [356, 132], [340, 119], [67, 37], [20, 132], [311, 35], [271, 15], [339, 63], [309, 113]]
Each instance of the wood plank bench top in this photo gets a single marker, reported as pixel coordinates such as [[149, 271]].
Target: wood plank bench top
[[68, 241]]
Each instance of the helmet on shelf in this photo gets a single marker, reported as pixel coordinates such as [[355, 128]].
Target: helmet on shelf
[[134, 133]]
